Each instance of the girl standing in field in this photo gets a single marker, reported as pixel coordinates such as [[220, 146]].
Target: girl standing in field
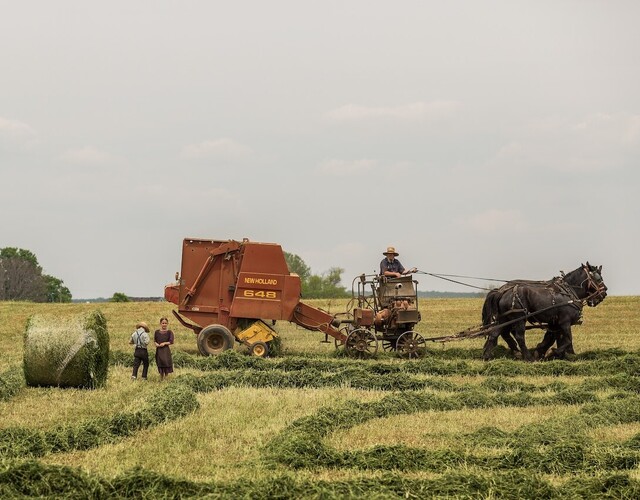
[[163, 338]]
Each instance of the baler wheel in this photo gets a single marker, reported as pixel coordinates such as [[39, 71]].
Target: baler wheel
[[361, 343], [214, 339], [260, 350], [411, 345]]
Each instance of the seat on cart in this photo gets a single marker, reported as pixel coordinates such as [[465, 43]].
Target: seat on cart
[[401, 289]]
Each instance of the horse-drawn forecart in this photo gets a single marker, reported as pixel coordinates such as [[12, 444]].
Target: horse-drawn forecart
[[387, 311]]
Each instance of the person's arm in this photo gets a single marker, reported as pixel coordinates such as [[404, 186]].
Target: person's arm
[[410, 271], [383, 267], [404, 271]]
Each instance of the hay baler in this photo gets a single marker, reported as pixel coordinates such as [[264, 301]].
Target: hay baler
[[231, 290]]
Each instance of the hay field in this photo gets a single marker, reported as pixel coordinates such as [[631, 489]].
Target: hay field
[[313, 424]]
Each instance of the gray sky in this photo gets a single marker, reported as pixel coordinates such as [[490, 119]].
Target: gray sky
[[498, 139]]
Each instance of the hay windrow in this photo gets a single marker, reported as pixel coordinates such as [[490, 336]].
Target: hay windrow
[[235, 369], [67, 351], [393, 376], [34, 479], [628, 365], [554, 447], [169, 404], [372, 377]]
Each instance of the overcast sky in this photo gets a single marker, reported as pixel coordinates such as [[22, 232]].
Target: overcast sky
[[498, 139]]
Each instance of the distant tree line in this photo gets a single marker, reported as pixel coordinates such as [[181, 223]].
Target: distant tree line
[[314, 286], [119, 297], [21, 278]]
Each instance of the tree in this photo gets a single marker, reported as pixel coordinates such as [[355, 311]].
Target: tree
[[56, 291], [21, 278], [297, 265], [21, 253], [316, 286], [119, 297], [325, 286]]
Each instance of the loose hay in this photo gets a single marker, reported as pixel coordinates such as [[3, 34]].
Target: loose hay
[[66, 351], [11, 381]]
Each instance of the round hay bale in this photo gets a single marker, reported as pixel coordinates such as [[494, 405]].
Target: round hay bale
[[66, 351]]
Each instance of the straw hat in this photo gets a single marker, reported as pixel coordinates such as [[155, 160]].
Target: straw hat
[[390, 250], [143, 325]]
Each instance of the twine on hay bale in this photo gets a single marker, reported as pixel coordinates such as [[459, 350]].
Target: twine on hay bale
[[68, 351]]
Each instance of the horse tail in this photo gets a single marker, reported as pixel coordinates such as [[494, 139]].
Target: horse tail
[[490, 307]]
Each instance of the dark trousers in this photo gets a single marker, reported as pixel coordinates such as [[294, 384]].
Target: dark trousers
[[140, 355]]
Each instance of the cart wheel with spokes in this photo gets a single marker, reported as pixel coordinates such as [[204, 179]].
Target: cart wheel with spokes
[[389, 344], [411, 345], [361, 343]]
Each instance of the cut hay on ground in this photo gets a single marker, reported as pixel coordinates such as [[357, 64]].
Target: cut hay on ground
[[68, 351]]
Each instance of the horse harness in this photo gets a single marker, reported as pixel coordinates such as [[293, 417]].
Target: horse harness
[[559, 286], [556, 286], [593, 289]]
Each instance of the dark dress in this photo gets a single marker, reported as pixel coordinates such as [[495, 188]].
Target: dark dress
[[164, 361]]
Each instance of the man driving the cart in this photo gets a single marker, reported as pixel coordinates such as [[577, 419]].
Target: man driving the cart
[[391, 267]]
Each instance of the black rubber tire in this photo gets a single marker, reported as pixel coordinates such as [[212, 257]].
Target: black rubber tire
[[214, 339], [260, 350]]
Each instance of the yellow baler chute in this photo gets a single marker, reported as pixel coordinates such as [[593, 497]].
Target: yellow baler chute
[[257, 336]]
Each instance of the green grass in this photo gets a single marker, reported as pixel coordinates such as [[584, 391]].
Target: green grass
[[312, 424]]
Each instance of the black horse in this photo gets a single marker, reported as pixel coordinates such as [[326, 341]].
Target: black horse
[[555, 305]]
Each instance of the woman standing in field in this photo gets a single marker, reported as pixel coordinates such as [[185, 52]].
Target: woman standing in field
[[163, 338]]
